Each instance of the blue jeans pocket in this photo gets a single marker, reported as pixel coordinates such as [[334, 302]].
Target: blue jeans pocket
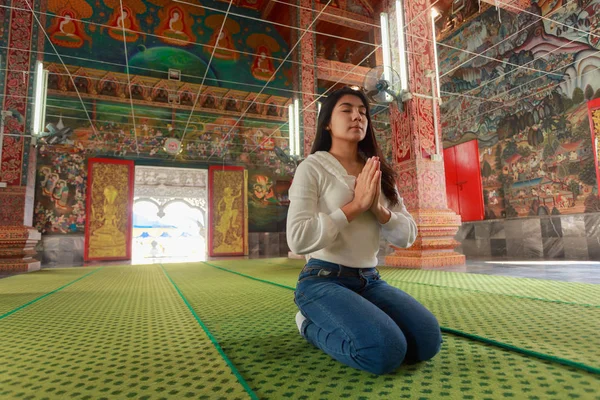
[[309, 272]]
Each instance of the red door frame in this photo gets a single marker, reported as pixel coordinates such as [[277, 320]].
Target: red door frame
[[594, 105]]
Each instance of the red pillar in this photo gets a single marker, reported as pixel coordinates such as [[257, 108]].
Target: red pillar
[[417, 161], [17, 237], [308, 75]]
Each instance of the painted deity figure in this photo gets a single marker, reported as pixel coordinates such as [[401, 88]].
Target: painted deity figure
[[228, 214], [262, 191], [61, 195], [123, 23], [50, 184], [174, 29], [66, 31], [262, 67], [224, 44], [108, 240]]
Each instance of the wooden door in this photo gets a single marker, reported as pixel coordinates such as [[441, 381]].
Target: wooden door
[[451, 187], [464, 187], [594, 114], [109, 209], [227, 211]]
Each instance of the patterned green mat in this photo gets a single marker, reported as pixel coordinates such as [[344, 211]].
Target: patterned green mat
[[22, 289], [122, 332], [540, 289], [542, 325], [254, 324], [138, 332]]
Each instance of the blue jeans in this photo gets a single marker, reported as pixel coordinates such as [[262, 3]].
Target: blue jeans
[[361, 321]]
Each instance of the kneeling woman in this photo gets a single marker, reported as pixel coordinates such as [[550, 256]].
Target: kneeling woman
[[342, 197]]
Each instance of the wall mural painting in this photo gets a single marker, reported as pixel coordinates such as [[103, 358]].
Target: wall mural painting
[[60, 205], [268, 202], [60, 191], [2, 18], [529, 111], [182, 37]]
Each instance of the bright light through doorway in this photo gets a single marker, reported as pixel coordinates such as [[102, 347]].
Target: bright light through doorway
[[176, 236]]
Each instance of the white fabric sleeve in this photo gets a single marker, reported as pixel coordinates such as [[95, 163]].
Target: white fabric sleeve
[[309, 230], [401, 229]]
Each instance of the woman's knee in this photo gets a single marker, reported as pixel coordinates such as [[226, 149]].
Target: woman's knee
[[427, 346], [384, 355]]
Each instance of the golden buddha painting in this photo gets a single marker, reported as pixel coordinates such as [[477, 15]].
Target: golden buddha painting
[[175, 26], [108, 225], [67, 31], [263, 46], [228, 222], [123, 24], [222, 38], [123, 20]]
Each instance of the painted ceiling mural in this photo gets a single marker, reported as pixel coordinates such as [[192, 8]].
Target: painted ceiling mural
[[166, 120], [524, 100], [162, 35]]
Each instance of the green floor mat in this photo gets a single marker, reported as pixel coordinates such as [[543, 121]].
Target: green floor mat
[[254, 323], [552, 291], [15, 291], [569, 292], [558, 330], [123, 332]]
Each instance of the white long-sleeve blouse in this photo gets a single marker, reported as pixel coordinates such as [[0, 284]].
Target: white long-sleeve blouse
[[318, 228]]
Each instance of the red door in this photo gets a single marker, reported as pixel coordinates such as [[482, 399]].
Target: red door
[[451, 187], [463, 181]]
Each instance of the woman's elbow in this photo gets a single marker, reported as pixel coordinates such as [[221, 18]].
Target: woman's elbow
[[294, 242]]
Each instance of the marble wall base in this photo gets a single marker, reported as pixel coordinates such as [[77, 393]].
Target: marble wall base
[[267, 244], [567, 237], [64, 250], [57, 250]]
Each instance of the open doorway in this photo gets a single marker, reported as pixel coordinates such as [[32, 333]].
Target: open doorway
[[169, 215]]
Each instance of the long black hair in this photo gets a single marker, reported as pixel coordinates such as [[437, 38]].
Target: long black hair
[[367, 147]]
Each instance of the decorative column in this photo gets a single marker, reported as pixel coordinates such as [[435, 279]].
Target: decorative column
[[17, 164], [417, 149], [308, 74]]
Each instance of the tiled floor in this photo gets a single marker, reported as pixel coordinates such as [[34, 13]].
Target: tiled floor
[[567, 271], [558, 270]]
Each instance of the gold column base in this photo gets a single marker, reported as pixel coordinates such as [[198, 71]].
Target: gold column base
[[17, 248], [424, 260], [435, 243]]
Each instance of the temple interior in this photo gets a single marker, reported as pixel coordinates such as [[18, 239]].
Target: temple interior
[[147, 149]]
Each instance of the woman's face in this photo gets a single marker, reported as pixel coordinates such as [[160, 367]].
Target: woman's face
[[349, 119]]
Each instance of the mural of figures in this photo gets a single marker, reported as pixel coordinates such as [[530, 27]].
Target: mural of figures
[[263, 46], [60, 192], [223, 40], [126, 20], [531, 124], [176, 25]]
